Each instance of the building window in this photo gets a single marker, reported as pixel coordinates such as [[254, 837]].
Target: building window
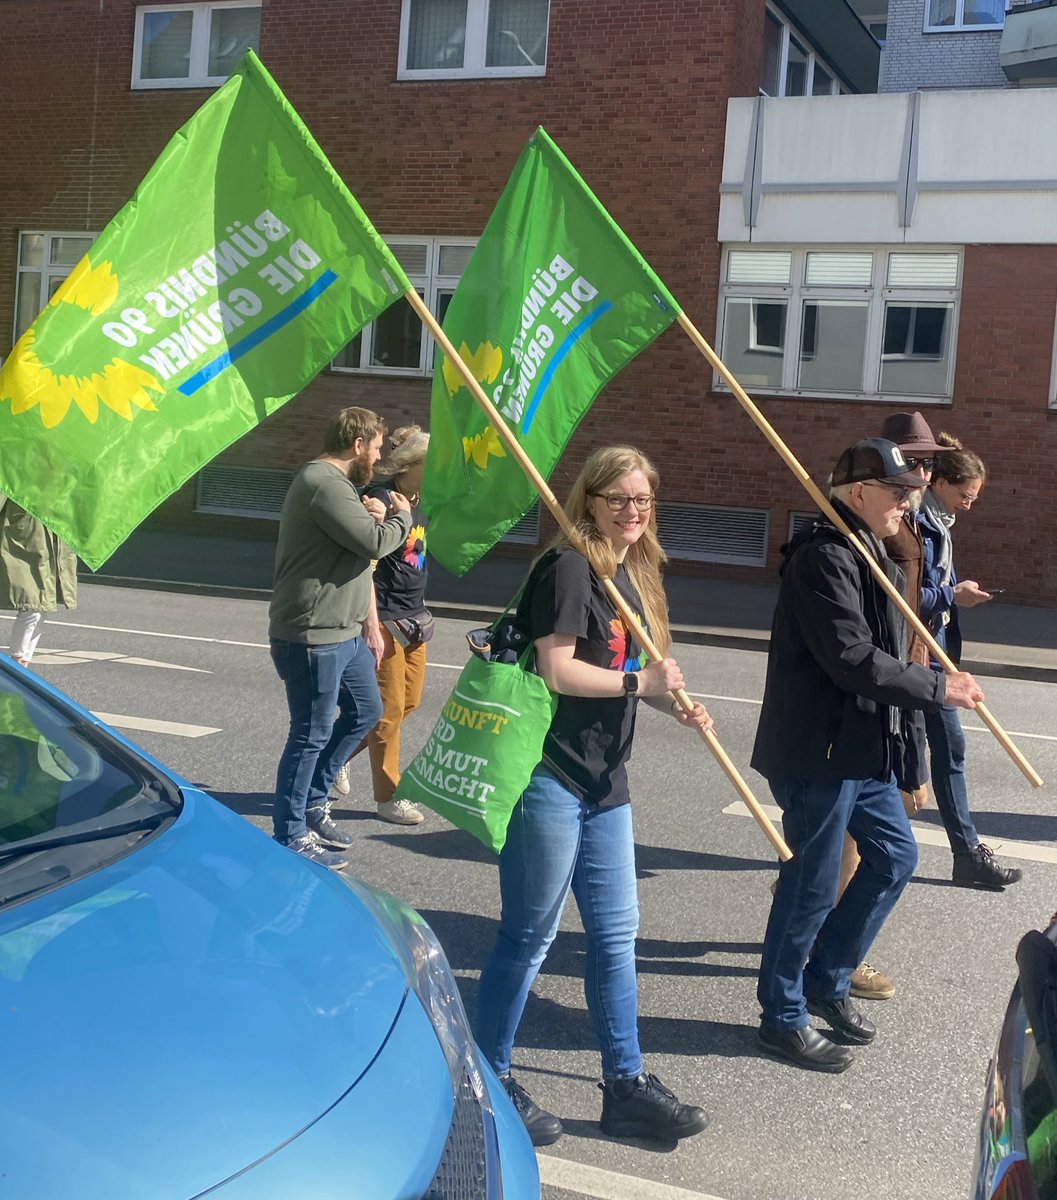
[[465, 39], [397, 343], [193, 45], [841, 323], [790, 66], [44, 261], [941, 16]]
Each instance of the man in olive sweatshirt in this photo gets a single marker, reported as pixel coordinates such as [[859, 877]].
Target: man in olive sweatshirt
[[321, 603]]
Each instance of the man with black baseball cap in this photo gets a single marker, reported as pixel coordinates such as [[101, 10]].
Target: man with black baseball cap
[[828, 740]]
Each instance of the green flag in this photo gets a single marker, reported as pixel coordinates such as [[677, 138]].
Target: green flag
[[238, 269], [553, 303]]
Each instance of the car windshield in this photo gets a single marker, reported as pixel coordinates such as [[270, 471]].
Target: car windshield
[[71, 797]]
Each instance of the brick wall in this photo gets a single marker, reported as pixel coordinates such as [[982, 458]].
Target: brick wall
[[913, 59], [636, 95]]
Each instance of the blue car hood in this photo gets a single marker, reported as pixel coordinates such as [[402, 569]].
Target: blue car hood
[[170, 1019]]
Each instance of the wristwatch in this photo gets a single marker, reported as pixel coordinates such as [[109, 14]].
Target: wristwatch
[[631, 683]]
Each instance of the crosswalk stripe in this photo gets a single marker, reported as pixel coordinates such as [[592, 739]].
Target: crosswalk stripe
[[600, 1184], [147, 725], [54, 657], [928, 836]]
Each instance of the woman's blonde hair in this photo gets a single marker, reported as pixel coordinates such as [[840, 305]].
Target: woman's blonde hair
[[407, 448], [645, 558]]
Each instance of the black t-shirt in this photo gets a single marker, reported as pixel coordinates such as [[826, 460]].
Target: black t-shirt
[[400, 577], [589, 742]]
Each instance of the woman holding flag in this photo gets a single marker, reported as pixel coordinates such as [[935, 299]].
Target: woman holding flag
[[572, 827]]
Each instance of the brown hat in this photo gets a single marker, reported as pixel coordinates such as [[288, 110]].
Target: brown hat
[[910, 431], [877, 459]]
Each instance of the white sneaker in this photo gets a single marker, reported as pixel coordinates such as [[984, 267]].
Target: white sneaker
[[341, 785], [400, 812]]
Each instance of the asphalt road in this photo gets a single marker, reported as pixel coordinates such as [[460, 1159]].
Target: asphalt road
[[189, 678]]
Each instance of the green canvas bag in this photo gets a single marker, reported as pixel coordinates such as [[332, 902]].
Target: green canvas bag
[[483, 749]]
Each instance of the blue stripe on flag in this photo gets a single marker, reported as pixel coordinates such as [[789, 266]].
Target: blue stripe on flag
[[575, 334], [254, 339]]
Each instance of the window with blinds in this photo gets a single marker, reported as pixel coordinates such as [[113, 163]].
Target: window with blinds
[[844, 323]]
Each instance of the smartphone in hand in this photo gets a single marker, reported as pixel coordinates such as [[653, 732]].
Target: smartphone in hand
[[995, 591]]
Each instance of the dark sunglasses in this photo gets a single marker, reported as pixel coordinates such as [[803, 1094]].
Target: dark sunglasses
[[926, 464]]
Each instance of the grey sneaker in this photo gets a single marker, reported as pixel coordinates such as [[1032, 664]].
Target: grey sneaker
[[400, 812], [320, 823], [341, 785], [309, 847]]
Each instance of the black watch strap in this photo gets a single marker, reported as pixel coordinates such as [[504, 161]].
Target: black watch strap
[[631, 683]]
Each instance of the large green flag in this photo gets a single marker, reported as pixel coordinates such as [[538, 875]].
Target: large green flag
[[554, 301], [237, 270]]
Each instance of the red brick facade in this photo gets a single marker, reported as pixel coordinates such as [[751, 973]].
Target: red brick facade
[[636, 96]]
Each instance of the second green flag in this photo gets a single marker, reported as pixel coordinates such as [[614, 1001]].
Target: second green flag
[[553, 303]]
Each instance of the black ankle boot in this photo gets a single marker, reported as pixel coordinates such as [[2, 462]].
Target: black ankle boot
[[544, 1128], [643, 1107], [978, 869]]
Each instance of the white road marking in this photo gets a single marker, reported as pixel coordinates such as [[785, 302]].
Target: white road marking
[[54, 657], [146, 725], [180, 637], [927, 836], [187, 637], [608, 1185], [1042, 737]]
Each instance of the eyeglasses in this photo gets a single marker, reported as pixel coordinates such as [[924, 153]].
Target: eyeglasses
[[900, 494], [926, 464], [617, 503], [968, 499]]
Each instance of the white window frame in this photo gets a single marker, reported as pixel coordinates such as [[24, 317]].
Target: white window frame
[[475, 49], [197, 76], [959, 25], [876, 295], [1053, 372], [788, 30], [431, 285], [48, 272]]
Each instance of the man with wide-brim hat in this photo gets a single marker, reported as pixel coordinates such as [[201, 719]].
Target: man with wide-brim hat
[[829, 737]]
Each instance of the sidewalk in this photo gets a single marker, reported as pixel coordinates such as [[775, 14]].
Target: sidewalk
[[1000, 639]]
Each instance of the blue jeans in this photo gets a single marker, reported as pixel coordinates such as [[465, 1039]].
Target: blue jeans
[[947, 759], [804, 926], [319, 679], [554, 842]]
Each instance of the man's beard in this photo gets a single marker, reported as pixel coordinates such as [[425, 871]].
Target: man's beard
[[361, 470]]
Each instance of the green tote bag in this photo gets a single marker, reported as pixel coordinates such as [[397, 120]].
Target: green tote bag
[[485, 745]]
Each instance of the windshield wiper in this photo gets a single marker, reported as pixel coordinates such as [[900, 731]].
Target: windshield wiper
[[85, 831]]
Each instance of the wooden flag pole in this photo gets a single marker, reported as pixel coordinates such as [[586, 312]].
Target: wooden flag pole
[[514, 448], [878, 573]]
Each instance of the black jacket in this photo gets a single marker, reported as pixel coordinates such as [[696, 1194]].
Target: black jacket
[[836, 675]]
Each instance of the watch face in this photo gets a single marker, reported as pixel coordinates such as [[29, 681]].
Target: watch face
[[631, 683]]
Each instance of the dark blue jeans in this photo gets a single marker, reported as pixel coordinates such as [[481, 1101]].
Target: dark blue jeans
[[555, 842], [947, 759], [805, 927], [319, 679]]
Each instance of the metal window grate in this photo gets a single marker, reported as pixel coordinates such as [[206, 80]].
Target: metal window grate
[[830, 269], [412, 256], [527, 531], [797, 521], [923, 270], [759, 266], [242, 491], [708, 533]]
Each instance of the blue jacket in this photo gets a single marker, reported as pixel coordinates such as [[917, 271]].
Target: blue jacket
[[937, 598]]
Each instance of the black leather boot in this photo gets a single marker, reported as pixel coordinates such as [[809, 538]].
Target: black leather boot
[[643, 1107]]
